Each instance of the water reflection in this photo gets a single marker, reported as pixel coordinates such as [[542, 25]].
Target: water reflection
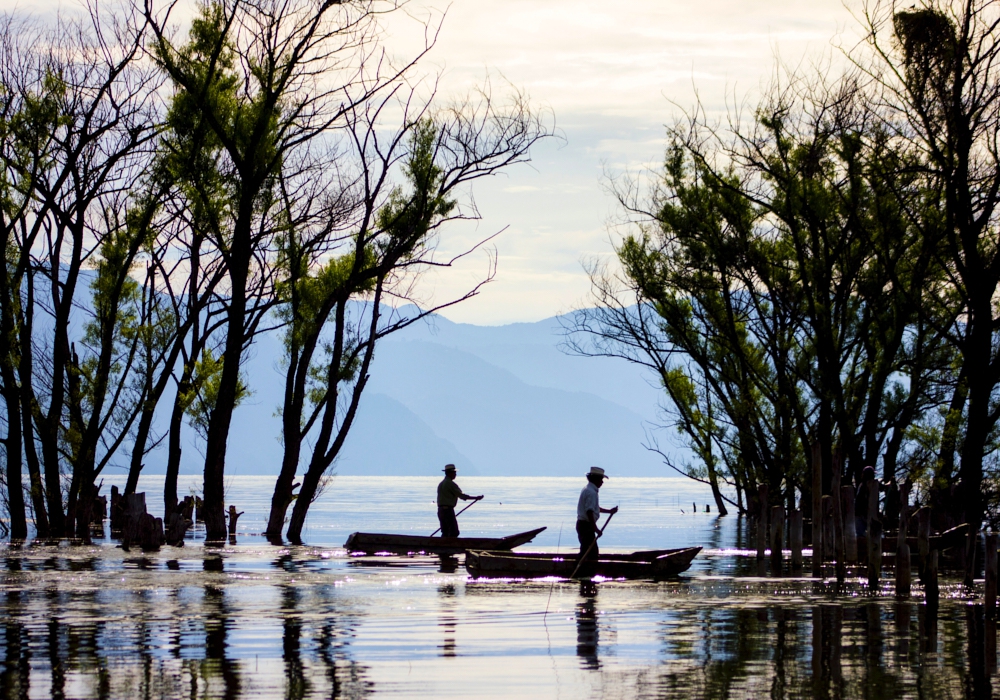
[[296, 683], [78, 626], [217, 666], [586, 627], [448, 619], [294, 623]]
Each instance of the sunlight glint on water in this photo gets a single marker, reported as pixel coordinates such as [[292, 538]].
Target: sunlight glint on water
[[255, 620]]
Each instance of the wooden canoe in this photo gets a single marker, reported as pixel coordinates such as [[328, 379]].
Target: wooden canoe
[[654, 564], [375, 543]]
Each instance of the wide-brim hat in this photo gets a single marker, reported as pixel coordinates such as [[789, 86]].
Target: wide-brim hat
[[449, 468], [597, 471]]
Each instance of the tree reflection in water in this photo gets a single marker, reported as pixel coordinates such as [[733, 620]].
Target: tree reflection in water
[[291, 624], [76, 636]]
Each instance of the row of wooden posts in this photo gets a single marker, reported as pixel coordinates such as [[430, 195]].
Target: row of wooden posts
[[834, 535]]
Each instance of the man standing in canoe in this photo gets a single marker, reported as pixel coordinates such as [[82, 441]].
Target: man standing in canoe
[[588, 512], [448, 494]]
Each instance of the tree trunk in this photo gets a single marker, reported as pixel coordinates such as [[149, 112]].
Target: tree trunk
[[28, 407], [15, 491], [222, 413]]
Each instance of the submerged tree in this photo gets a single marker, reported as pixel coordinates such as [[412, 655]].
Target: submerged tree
[[790, 285], [388, 239], [78, 123], [299, 204], [265, 79]]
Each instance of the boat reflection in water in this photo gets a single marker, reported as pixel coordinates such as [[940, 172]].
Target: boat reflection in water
[[255, 620], [240, 623]]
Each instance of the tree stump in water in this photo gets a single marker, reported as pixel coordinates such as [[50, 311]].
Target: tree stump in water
[[923, 541], [795, 538], [175, 529], [931, 590], [903, 567], [874, 554], [150, 533], [777, 530], [762, 520], [99, 511], [199, 509], [233, 517], [850, 523], [186, 508], [991, 576], [117, 512], [140, 528], [829, 529]]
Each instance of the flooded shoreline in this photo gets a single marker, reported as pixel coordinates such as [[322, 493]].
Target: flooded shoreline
[[256, 620]]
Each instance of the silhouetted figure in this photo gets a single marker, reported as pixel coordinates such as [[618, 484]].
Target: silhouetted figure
[[588, 511], [448, 494]]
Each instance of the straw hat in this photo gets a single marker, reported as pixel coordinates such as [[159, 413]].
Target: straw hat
[[449, 468], [597, 471]]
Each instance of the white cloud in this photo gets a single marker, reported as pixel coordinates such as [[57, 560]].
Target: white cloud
[[613, 74]]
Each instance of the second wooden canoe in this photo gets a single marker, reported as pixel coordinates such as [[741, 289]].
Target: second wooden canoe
[[653, 564]]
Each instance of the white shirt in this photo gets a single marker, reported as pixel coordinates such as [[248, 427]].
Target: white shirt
[[588, 501]]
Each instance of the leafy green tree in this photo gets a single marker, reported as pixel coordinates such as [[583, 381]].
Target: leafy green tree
[[257, 75], [934, 78], [778, 292]]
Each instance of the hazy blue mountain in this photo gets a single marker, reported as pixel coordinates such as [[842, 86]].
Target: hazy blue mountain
[[505, 425], [532, 353], [495, 400], [389, 439]]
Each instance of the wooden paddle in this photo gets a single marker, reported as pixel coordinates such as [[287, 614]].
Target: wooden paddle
[[474, 502], [585, 554]]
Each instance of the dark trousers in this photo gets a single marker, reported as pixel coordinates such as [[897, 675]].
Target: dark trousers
[[449, 524], [587, 533]]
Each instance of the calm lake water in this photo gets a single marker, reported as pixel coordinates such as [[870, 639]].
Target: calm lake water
[[255, 620]]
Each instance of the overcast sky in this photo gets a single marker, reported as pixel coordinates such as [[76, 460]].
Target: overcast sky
[[610, 73]]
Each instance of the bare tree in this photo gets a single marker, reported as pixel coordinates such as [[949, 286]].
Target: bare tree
[[373, 252]]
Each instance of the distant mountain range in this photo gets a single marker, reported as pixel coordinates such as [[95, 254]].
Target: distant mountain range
[[495, 400]]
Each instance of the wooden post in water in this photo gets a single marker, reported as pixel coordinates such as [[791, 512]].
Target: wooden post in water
[[850, 526], [838, 519], [233, 517], [828, 527], [795, 537], [991, 576], [874, 554], [762, 520], [903, 566], [817, 514], [923, 541], [777, 530], [872, 514], [971, 547], [931, 583]]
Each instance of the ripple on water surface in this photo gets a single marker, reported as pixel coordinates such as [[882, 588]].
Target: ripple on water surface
[[254, 620]]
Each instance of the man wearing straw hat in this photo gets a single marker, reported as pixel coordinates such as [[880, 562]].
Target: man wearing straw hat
[[448, 494], [588, 511]]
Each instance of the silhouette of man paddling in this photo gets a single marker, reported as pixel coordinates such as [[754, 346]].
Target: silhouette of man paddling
[[588, 511], [448, 494]]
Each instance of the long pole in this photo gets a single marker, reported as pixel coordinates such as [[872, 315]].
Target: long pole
[[474, 502], [587, 553]]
